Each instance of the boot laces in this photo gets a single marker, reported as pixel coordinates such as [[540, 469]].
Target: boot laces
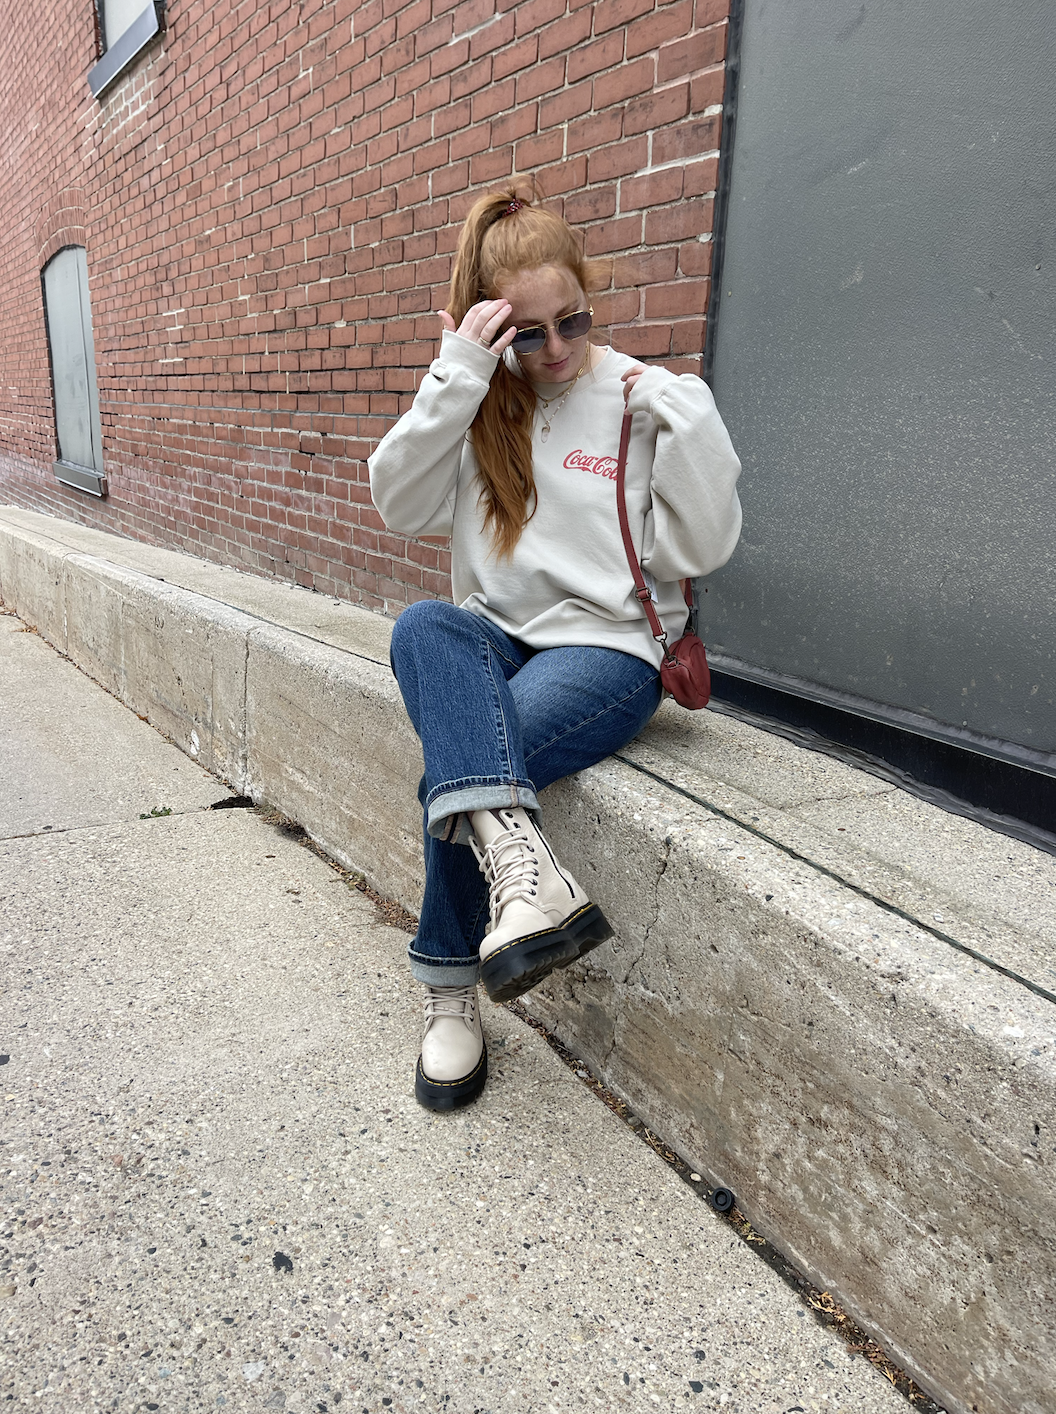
[[511, 867], [457, 1002]]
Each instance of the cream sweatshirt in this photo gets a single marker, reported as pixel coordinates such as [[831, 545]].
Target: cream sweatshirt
[[568, 581]]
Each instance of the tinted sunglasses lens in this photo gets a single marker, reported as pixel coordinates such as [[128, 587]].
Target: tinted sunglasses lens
[[529, 340], [574, 326]]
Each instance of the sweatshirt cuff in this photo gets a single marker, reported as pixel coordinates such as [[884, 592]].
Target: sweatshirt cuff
[[460, 352]]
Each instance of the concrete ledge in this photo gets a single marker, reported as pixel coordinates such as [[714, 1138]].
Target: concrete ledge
[[176, 657], [328, 741], [235, 677], [827, 995]]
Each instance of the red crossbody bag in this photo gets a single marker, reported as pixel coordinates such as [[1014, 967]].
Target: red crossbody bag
[[684, 672]]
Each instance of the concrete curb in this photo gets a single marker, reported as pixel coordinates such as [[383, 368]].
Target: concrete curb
[[882, 1101]]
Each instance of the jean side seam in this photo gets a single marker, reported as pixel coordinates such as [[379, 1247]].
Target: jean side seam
[[586, 721], [500, 716], [483, 907], [497, 650]]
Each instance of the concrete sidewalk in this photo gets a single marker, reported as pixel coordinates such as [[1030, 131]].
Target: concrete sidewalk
[[218, 1189], [822, 992]]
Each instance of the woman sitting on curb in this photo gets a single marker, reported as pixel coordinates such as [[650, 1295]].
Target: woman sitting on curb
[[545, 664]]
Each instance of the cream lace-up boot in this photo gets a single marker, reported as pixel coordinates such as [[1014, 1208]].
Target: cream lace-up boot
[[540, 917], [453, 1065]]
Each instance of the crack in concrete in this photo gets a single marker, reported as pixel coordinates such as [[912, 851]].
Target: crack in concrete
[[609, 1045], [652, 923], [855, 796], [243, 723], [604, 1062], [105, 824]]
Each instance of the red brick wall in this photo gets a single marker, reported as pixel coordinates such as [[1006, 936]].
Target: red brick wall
[[269, 200]]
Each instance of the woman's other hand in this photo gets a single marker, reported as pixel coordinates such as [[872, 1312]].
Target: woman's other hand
[[482, 323], [630, 378]]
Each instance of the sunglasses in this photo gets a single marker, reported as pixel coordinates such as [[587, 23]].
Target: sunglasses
[[572, 326]]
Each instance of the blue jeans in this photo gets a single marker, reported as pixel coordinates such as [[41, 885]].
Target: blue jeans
[[497, 722]]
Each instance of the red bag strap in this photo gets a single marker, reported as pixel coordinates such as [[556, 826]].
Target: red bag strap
[[641, 589]]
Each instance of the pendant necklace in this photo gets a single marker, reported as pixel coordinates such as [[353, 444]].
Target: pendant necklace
[[547, 416]]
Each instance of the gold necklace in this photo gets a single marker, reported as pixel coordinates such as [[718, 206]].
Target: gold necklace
[[544, 431]]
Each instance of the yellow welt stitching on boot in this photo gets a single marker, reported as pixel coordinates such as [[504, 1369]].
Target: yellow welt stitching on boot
[[527, 937], [449, 1084]]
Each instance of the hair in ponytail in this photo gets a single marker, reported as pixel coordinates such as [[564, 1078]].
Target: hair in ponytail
[[503, 235]]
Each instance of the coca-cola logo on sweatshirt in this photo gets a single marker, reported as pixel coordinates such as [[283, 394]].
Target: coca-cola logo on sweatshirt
[[597, 466]]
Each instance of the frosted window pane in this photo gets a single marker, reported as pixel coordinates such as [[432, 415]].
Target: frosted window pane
[[118, 15]]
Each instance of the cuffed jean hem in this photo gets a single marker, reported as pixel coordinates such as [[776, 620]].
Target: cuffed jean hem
[[444, 971], [441, 822]]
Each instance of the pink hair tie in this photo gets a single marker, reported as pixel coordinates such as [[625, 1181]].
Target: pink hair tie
[[515, 205]]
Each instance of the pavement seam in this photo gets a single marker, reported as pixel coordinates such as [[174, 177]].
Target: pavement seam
[[826, 1311], [809, 740], [122, 820], [820, 1303], [846, 883]]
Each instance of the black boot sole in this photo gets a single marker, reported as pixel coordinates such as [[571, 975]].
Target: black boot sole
[[523, 963], [450, 1094]]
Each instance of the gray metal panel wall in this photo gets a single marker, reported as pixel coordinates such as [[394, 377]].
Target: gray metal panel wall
[[884, 361]]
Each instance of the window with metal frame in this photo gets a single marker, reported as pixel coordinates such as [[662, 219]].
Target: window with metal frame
[[72, 349], [126, 27]]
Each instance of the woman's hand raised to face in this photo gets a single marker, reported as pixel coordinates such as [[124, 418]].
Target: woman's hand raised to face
[[482, 323]]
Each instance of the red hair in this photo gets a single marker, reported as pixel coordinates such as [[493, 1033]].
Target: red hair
[[504, 234]]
